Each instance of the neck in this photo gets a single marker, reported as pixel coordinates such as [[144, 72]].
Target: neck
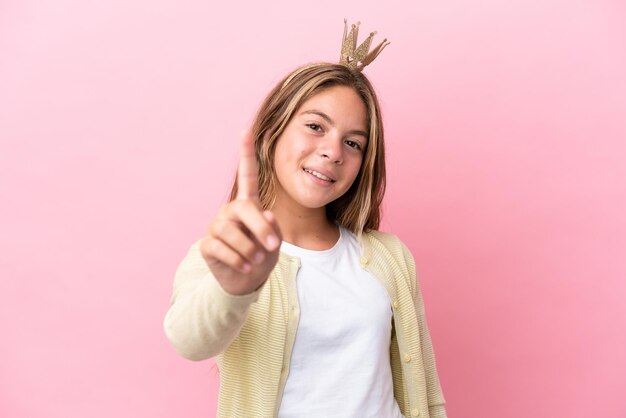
[[306, 228]]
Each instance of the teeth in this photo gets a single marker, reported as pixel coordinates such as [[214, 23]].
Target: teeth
[[318, 175]]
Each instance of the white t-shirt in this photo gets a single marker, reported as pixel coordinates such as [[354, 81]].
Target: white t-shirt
[[340, 364]]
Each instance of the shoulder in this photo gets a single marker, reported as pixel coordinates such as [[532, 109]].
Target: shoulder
[[387, 240], [387, 248], [388, 245], [382, 236]]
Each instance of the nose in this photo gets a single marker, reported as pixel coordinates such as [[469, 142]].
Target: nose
[[331, 149]]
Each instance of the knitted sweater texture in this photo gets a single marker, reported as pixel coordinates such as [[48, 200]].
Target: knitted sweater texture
[[251, 336]]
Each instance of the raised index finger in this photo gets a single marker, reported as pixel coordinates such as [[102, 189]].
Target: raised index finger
[[248, 171]]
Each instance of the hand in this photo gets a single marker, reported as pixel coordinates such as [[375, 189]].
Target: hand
[[242, 244]]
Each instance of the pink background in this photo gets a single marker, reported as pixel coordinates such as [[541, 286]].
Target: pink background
[[506, 138]]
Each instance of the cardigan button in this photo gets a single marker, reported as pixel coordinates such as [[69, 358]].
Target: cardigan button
[[363, 261], [395, 304], [407, 358], [415, 412]]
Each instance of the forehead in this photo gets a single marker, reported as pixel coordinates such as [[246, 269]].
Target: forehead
[[342, 104]]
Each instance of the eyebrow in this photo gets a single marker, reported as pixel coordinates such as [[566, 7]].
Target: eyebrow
[[329, 120]]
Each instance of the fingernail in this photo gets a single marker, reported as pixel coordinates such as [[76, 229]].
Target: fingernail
[[272, 242], [259, 256], [246, 267]]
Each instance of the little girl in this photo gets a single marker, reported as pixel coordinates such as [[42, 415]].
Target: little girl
[[309, 310]]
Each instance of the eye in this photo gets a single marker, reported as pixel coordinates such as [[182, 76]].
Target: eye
[[314, 126], [354, 144]]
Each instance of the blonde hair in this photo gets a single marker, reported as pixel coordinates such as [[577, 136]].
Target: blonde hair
[[359, 209]]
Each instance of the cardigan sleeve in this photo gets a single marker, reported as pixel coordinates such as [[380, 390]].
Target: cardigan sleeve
[[436, 400], [203, 319]]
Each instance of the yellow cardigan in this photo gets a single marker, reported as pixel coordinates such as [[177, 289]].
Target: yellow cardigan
[[252, 335]]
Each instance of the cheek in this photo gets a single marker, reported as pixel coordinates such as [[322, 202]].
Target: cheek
[[353, 176], [302, 154], [356, 167], [281, 156], [289, 152]]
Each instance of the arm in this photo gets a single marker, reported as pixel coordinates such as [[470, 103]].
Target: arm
[[203, 319], [223, 274], [436, 401]]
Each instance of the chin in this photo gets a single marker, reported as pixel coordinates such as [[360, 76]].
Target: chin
[[314, 204]]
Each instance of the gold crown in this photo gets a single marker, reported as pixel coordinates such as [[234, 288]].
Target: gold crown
[[358, 57]]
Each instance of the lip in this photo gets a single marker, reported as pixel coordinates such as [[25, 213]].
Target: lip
[[321, 171]]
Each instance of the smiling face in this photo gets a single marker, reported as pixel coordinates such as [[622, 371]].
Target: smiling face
[[359, 208], [319, 154]]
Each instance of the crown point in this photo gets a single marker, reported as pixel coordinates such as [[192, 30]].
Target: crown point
[[358, 57]]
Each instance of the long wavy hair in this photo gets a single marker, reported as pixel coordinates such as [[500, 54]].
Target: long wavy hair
[[359, 209]]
